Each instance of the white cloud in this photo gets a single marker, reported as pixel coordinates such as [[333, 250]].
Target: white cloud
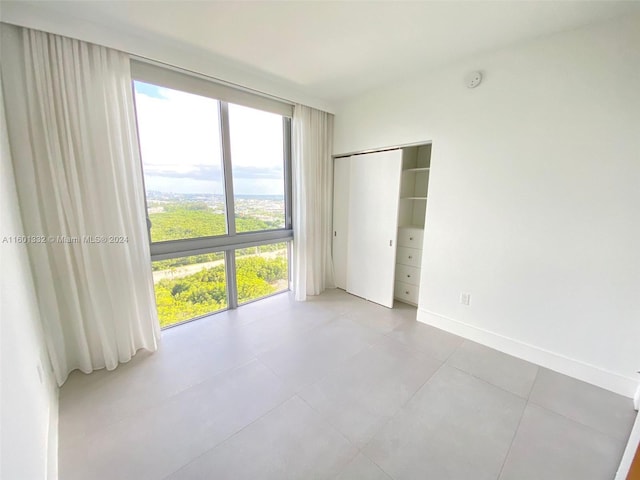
[[181, 151]]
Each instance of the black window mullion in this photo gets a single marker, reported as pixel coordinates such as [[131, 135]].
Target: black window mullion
[[232, 284], [230, 209], [227, 168], [288, 189]]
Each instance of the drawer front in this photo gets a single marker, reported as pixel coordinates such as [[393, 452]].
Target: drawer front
[[409, 256], [410, 237], [406, 293], [407, 274]]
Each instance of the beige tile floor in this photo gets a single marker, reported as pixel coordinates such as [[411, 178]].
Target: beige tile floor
[[335, 387]]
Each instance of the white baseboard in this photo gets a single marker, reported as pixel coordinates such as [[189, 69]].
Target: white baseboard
[[553, 361]]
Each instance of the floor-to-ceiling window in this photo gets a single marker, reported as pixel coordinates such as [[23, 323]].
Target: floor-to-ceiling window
[[217, 180]]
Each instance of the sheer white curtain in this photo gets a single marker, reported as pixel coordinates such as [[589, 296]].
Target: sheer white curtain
[[312, 138], [72, 135]]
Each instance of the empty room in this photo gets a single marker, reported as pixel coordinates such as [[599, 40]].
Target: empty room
[[354, 240]]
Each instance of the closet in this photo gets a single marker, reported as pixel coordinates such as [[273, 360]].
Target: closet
[[379, 208]]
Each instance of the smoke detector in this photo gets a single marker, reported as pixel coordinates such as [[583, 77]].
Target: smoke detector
[[473, 79]]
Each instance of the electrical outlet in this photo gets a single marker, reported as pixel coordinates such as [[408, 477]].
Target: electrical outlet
[[465, 298]]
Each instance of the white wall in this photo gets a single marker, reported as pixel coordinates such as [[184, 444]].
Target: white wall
[[534, 196], [28, 395]]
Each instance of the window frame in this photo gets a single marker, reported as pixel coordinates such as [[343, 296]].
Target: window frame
[[170, 77]]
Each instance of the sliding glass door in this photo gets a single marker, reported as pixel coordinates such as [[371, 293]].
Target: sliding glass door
[[217, 181]]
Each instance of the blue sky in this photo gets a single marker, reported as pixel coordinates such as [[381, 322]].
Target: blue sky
[[149, 90]]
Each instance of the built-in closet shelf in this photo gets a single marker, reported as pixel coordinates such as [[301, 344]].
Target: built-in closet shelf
[[414, 190]]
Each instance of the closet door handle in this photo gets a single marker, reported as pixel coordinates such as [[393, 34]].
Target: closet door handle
[[410, 257], [410, 238]]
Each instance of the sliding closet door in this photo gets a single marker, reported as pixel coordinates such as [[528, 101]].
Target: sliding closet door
[[374, 185], [341, 169]]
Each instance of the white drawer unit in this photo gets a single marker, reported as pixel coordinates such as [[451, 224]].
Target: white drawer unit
[[406, 293], [407, 274], [410, 237], [409, 256]]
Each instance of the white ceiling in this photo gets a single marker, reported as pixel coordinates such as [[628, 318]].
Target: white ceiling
[[334, 50]]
